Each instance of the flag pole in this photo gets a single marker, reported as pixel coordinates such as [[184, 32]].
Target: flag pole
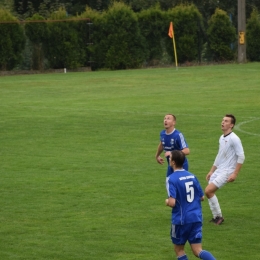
[[171, 35], [175, 54]]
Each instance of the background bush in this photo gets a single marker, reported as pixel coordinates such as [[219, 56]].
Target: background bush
[[12, 41], [62, 46], [94, 37], [118, 38], [36, 33], [253, 37], [221, 35], [152, 25], [187, 21], [124, 45]]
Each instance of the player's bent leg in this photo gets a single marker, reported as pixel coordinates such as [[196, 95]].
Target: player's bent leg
[[210, 190], [205, 255], [180, 253], [202, 254], [213, 202], [196, 248]]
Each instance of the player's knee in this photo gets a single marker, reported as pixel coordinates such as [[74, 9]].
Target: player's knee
[[179, 250], [209, 193]]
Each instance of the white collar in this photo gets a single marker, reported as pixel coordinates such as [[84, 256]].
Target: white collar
[[171, 132]]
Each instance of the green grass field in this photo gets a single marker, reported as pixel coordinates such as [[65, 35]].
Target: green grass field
[[78, 174]]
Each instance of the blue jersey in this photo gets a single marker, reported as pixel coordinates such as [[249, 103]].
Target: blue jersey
[[185, 188], [173, 141]]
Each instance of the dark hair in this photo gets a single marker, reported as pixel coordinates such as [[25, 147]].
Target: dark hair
[[174, 117], [233, 119], [178, 157]]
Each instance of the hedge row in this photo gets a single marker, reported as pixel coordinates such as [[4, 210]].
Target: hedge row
[[120, 38]]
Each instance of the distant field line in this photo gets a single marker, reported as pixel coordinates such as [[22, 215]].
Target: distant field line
[[252, 118], [237, 127]]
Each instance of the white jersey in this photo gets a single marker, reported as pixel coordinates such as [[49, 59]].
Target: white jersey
[[230, 152]]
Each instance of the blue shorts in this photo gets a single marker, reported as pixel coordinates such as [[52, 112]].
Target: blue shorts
[[192, 232]]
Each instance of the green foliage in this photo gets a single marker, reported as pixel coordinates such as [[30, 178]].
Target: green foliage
[[12, 41], [123, 44], [36, 32], [187, 21], [62, 48], [7, 4], [119, 38], [34, 29], [90, 35], [48, 8], [60, 14], [28, 8], [221, 34], [253, 37], [116, 38], [152, 24]]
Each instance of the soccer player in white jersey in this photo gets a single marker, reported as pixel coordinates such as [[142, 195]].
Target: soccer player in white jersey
[[171, 139], [226, 166]]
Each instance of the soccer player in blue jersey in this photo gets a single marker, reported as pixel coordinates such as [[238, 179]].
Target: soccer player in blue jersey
[[226, 166], [185, 200], [171, 139]]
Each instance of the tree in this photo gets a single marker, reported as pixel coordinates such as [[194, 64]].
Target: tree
[[187, 22], [124, 41], [221, 34], [77, 7], [253, 36], [151, 23], [62, 48], [13, 42], [36, 33], [7, 4], [118, 43], [27, 8]]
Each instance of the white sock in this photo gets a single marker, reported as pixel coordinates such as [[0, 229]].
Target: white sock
[[214, 207]]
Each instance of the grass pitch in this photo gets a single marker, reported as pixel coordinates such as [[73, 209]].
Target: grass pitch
[[78, 174]]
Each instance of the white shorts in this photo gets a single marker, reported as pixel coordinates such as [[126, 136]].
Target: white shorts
[[219, 178]]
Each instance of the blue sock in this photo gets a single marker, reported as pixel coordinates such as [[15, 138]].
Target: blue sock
[[205, 255], [183, 257]]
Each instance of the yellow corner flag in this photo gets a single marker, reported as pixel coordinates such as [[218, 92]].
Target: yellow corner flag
[[171, 35]]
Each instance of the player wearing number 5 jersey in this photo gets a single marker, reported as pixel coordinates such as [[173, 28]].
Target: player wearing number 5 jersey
[[185, 196]]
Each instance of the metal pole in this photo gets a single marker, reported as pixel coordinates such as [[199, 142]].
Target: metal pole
[[241, 19]]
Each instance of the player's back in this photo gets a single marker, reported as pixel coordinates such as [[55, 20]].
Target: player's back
[[185, 188]]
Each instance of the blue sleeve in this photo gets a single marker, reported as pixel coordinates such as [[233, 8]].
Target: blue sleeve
[[181, 142], [172, 189], [161, 133]]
